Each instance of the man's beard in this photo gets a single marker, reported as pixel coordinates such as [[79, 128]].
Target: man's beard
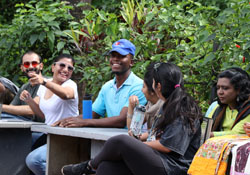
[[37, 71]]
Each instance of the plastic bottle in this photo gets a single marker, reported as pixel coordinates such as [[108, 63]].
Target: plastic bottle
[[137, 120], [87, 107]]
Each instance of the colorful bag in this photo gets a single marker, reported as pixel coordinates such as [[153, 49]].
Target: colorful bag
[[212, 156]]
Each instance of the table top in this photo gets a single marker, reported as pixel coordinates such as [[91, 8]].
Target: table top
[[85, 132], [16, 123]]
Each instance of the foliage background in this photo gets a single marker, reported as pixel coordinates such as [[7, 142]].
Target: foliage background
[[202, 37]]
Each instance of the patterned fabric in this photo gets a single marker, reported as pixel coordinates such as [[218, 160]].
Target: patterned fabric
[[212, 156], [240, 159]]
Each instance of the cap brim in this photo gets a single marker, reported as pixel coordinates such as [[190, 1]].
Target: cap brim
[[120, 51]]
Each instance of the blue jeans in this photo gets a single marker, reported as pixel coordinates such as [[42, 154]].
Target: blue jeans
[[5, 115], [35, 135], [36, 160]]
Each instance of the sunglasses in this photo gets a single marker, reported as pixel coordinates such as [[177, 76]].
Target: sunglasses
[[63, 65], [156, 66], [27, 64]]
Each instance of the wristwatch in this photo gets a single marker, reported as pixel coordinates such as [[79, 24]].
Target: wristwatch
[[44, 81]]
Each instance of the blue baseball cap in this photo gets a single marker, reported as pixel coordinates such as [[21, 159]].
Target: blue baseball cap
[[123, 47]]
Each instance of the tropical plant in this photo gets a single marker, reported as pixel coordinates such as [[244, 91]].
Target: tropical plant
[[201, 37]]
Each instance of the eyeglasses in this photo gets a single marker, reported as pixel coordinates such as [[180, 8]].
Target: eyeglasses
[[27, 64], [63, 65]]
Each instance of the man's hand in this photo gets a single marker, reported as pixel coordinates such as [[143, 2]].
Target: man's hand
[[70, 122]]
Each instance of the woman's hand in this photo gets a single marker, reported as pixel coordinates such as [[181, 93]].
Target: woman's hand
[[36, 79], [25, 96], [130, 133], [133, 101]]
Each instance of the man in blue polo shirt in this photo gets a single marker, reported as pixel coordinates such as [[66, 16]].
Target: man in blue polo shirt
[[114, 94]]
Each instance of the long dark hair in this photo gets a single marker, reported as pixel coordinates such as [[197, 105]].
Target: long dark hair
[[178, 102], [240, 81], [148, 77]]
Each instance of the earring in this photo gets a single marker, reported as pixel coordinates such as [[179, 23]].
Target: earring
[[237, 99]]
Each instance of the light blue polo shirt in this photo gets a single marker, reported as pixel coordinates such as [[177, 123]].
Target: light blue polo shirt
[[111, 100]]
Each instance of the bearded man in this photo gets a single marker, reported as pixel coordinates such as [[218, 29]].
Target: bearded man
[[31, 63]]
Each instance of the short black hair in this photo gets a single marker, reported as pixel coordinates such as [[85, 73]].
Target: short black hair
[[29, 53]]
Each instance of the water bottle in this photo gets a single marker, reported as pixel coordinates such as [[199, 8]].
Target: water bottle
[[137, 120], [87, 107]]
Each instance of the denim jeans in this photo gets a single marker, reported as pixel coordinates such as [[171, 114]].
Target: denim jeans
[[5, 115], [36, 160]]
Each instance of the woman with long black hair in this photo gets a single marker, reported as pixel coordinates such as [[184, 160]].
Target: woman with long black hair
[[233, 109], [172, 141]]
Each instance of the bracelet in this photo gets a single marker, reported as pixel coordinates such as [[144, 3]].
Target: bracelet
[[129, 115], [44, 81]]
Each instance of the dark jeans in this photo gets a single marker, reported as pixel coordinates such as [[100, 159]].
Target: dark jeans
[[124, 155]]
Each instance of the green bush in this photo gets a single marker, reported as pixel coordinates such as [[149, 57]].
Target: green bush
[[201, 37]]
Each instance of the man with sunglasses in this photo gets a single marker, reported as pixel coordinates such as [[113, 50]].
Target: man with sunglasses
[[113, 97], [30, 64]]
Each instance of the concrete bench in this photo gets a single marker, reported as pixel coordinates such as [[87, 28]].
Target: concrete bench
[[73, 145]]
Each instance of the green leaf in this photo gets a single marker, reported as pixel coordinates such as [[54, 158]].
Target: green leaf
[[60, 45], [210, 37], [51, 37], [246, 54], [33, 38], [42, 36], [102, 15], [247, 45], [81, 4], [149, 17], [81, 33], [2, 41], [48, 18], [208, 58], [203, 36], [51, 46], [54, 24]]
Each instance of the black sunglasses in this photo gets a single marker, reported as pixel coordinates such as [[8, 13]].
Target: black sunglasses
[[63, 65]]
